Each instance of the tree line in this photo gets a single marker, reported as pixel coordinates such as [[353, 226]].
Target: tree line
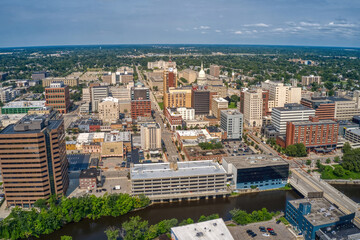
[[52, 214]]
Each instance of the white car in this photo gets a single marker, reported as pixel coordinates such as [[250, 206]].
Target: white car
[[266, 235]]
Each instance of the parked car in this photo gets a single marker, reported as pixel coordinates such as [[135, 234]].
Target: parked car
[[278, 221], [270, 229]]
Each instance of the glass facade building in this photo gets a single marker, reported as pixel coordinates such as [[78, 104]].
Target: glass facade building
[[261, 171]]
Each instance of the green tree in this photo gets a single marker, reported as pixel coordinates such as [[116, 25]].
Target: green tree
[[346, 147], [308, 162], [40, 203], [66, 237], [339, 171], [135, 228], [328, 161], [112, 233]]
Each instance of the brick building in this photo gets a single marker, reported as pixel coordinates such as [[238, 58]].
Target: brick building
[[315, 134], [89, 178], [58, 97], [140, 102], [324, 108]]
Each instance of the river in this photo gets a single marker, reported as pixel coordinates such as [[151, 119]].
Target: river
[[94, 229], [350, 190]]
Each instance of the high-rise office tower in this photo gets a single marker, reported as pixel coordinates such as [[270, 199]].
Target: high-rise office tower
[[58, 97], [214, 70], [33, 160], [170, 79]]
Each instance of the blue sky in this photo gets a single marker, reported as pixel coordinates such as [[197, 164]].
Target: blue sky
[[274, 22]]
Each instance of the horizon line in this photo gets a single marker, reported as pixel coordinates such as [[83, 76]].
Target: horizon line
[[174, 44]]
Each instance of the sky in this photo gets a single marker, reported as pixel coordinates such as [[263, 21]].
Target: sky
[[270, 22]]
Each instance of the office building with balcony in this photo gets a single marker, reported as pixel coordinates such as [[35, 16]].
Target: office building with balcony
[[312, 216], [33, 160], [177, 181], [261, 171]]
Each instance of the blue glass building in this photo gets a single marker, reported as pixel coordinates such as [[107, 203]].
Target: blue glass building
[[310, 215], [257, 171]]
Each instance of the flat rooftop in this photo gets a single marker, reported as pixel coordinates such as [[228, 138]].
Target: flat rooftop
[[307, 122], [31, 124], [254, 161], [322, 211], [185, 169], [209, 230], [25, 104], [220, 100], [355, 131], [293, 107]]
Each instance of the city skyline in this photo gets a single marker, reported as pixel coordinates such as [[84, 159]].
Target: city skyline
[[101, 22]]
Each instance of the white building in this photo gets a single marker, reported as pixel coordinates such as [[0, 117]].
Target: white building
[[289, 113], [8, 94], [178, 180], [209, 230], [253, 108], [98, 94], [109, 110], [231, 121], [150, 136], [280, 94], [186, 113]]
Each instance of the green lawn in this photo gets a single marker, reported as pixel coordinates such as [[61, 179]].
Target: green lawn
[[328, 173], [161, 105], [232, 105]]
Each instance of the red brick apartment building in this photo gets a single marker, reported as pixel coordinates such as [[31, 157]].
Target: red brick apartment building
[[315, 134]]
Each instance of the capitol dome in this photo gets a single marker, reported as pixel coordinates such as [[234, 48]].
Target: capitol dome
[[201, 80]]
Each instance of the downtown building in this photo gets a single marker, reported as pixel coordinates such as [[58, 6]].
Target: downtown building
[[214, 70], [231, 121], [308, 80], [177, 97], [289, 113], [140, 102], [261, 171], [317, 135], [33, 160], [109, 110], [200, 100], [150, 136], [178, 181], [57, 96]]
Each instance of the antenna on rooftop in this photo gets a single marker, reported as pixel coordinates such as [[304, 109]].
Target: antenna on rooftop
[[170, 55]]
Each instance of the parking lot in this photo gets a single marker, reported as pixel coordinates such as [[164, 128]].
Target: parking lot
[[110, 180], [237, 148], [239, 232]]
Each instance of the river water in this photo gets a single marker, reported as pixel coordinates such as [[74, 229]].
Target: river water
[[352, 191], [94, 229]]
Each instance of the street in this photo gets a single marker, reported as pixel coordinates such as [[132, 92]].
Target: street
[[171, 151]]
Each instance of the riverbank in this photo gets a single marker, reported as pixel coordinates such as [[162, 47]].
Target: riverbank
[[247, 191], [94, 229], [343, 181]]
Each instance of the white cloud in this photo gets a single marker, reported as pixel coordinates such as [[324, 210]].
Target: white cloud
[[342, 24], [181, 29], [218, 31], [309, 24], [257, 25], [255, 31], [204, 27], [238, 32]]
